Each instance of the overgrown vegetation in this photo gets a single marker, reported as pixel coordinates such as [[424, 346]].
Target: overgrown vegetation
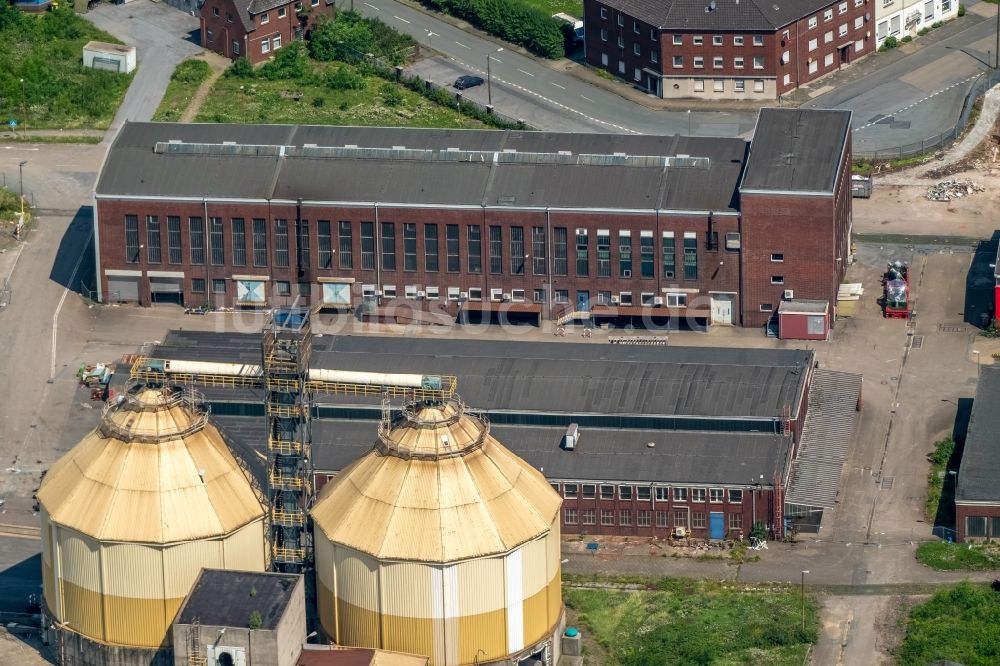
[[350, 36], [697, 622], [184, 82], [939, 457], [517, 21], [46, 52], [958, 625], [959, 556], [10, 205]]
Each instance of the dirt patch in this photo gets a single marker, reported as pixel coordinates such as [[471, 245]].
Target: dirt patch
[[983, 157], [890, 627]]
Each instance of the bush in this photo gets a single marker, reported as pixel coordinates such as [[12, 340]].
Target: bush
[[191, 71], [961, 10], [391, 94], [345, 78], [923, 31], [513, 20], [241, 69], [907, 39], [291, 62], [318, 102]]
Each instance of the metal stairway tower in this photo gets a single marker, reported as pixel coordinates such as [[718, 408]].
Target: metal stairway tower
[[286, 348]]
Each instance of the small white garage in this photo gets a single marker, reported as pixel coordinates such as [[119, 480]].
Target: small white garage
[[112, 57]]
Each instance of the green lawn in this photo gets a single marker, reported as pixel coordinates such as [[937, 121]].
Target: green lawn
[[958, 625], [297, 101], [697, 622], [184, 83], [46, 51], [959, 556]]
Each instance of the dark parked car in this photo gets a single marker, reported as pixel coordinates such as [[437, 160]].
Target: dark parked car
[[468, 81]]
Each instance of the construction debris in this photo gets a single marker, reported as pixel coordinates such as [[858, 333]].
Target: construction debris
[[947, 190]]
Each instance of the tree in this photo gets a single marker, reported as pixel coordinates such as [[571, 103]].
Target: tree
[[344, 38]]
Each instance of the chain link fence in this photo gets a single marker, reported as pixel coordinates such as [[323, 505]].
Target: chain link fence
[[984, 82]]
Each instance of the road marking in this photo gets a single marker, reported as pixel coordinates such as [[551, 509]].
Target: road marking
[[919, 101], [400, 19], [496, 60], [464, 46], [549, 100], [19, 148], [528, 73], [62, 299], [558, 86], [373, 6]]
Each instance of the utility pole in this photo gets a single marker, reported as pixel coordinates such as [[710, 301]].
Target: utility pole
[[803, 597], [20, 170], [24, 108], [489, 78]]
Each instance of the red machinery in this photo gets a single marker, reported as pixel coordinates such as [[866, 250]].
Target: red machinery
[[896, 285]]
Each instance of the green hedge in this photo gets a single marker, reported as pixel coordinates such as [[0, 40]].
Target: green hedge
[[512, 20]]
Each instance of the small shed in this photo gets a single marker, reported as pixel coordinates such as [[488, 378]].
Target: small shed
[[112, 57], [804, 320]]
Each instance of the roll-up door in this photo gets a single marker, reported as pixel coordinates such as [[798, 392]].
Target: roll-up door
[[123, 288]]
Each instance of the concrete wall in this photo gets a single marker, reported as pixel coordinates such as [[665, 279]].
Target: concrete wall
[[77, 650]]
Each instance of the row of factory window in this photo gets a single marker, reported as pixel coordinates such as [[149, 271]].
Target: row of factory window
[[336, 247], [979, 527], [538, 295], [607, 491], [644, 518]]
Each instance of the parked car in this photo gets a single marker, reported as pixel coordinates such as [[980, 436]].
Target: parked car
[[468, 81]]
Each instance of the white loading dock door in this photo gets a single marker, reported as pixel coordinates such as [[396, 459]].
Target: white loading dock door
[[722, 309], [123, 288]]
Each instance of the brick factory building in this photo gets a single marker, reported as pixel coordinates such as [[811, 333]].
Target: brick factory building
[[977, 494], [399, 224], [715, 50], [710, 440]]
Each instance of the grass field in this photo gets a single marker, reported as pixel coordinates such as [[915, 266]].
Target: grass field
[[46, 51], [235, 100], [959, 556], [184, 82], [958, 625], [697, 622]]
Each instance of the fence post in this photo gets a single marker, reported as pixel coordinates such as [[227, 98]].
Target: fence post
[[399, 72]]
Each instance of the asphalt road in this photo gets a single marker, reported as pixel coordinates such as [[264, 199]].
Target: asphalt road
[[913, 98]]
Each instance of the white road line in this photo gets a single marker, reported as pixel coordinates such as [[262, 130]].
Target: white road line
[[557, 85], [496, 60], [464, 46], [586, 98], [373, 6], [62, 299], [528, 73], [907, 108], [398, 18]]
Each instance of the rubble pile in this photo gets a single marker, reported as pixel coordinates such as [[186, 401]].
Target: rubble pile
[[947, 190]]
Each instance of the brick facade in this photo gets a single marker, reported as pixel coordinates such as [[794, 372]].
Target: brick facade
[[734, 63], [224, 31], [985, 516]]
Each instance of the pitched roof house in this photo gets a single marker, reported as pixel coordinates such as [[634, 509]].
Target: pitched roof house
[[257, 28]]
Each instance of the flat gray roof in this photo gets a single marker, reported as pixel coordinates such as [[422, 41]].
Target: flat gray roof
[[553, 377], [980, 466], [408, 166], [602, 453], [226, 598], [796, 150]]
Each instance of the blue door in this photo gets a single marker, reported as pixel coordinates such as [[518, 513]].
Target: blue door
[[583, 301], [716, 526]]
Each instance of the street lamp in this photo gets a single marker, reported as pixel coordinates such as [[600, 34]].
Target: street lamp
[[803, 597], [489, 78], [974, 352], [689, 122], [24, 107], [20, 171]]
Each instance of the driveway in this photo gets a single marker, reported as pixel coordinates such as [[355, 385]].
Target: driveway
[[163, 37]]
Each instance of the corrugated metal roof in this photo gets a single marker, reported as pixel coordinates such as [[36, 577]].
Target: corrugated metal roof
[[554, 377], [797, 150], [197, 165], [184, 487], [980, 466], [725, 458], [485, 501]]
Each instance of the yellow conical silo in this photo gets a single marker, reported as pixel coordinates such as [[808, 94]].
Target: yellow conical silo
[[440, 542], [135, 510]]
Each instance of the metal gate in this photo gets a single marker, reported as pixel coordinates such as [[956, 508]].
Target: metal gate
[[716, 525], [123, 288], [166, 290]]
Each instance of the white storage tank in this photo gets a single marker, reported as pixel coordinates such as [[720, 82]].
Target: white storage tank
[[131, 515], [440, 542]]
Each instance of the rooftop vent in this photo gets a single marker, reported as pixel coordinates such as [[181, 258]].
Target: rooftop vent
[[571, 437]]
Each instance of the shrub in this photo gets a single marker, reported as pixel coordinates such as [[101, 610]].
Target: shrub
[[345, 78], [907, 39], [889, 43], [391, 94], [343, 38], [241, 69], [961, 10], [291, 62], [513, 20], [318, 102], [191, 71], [255, 620], [923, 31]]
